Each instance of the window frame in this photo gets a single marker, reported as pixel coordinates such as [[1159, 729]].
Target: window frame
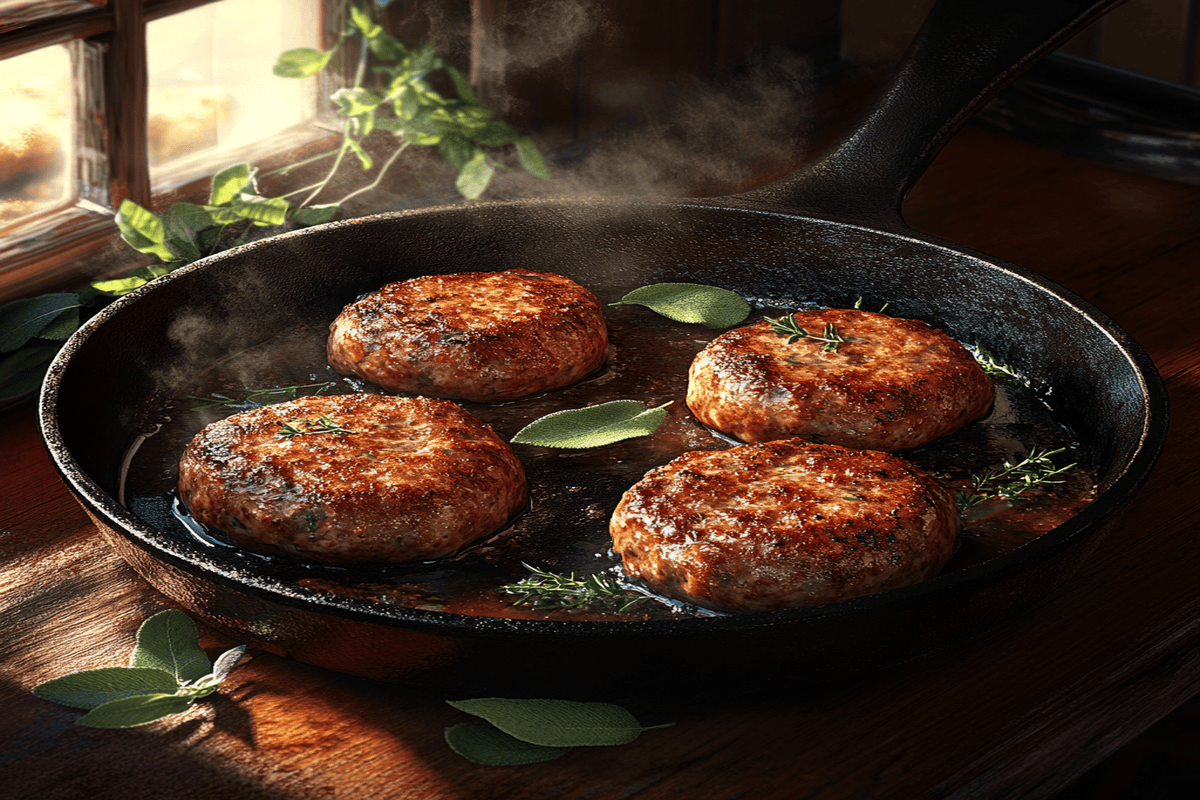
[[67, 244]]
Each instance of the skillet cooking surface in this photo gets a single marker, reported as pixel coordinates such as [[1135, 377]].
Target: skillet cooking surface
[[1094, 379]]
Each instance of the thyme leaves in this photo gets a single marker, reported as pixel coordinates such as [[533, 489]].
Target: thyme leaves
[[304, 427], [788, 326], [554, 590], [1014, 478]]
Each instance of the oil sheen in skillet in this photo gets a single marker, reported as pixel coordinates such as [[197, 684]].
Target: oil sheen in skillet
[[573, 493]]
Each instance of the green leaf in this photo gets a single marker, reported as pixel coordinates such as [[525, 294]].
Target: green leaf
[[262, 211], [143, 230], [138, 278], [91, 688], [556, 723], [22, 320], [691, 302], [364, 157], [132, 711], [593, 426], [22, 371], [364, 23], [474, 176], [462, 85], [229, 183], [315, 215], [489, 747], [386, 47], [168, 641], [301, 62], [532, 161]]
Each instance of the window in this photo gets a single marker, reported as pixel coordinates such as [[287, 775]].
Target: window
[[100, 101]]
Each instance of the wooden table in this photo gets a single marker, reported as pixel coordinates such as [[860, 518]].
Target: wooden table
[[1018, 713]]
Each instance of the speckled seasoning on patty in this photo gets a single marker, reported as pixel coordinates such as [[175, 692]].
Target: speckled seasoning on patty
[[352, 479], [892, 384], [782, 524], [481, 336]]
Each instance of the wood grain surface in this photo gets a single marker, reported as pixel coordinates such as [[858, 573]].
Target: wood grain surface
[[1017, 713]]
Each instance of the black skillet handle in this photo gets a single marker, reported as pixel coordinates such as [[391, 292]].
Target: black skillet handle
[[966, 51]]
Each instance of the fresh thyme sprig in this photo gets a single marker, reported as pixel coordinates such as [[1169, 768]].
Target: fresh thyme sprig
[[993, 367], [322, 424], [257, 398], [555, 590], [1013, 479], [789, 327]]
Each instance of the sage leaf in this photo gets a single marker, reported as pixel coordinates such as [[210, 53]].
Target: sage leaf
[[226, 662], [22, 320], [229, 183], [474, 176], [143, 230], [556, 723], [691, 302], [168, 641], [531, 159], [315, 215], [91, 688], [593, 426], [22, 371], [129, 712], [301, 62], [489, 747]]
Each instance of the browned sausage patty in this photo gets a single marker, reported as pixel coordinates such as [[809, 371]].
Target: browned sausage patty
[[781, 524], [892, 384], [352, 479], [483, 336]]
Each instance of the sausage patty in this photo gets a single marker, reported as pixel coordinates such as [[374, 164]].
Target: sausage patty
[[352, 479], [891, 384], [781, 524], [484, 336]]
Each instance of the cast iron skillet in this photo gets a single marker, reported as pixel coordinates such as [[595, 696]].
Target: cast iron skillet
[[829, 234]]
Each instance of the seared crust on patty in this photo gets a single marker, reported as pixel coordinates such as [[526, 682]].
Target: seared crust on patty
[[783, 524], [892, 384], [484, 336], [364, 478]]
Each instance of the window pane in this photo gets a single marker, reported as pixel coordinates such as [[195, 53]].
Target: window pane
[[35, 132], [211, 84]]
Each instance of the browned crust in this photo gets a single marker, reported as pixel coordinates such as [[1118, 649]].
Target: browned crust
[[894, 384], [783, 524], [482, 336], [415, 479]]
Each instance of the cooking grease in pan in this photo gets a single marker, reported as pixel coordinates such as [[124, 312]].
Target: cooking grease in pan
[[572, 492]]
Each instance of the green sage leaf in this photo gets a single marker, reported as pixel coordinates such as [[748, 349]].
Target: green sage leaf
[[364, 23], [91, 688], [168, 641], [556, 723], [474, 176], [22, 371], [132, 711], [315, 215], [691, 302], [229, 183], [301, 62], [138, 278], [593, 426], [143, 230], [532, 161], [489, 747], [22, 320], [261, 211], [462, 85]]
